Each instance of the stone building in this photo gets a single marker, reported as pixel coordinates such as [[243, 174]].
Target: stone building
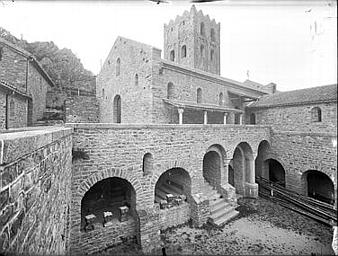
[[23, 87], [176, 142]]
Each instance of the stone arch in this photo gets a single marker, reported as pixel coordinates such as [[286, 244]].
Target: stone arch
[[276, 171], [175, 181], [261, 169], [117, 109], [118, 66], [316, 114], [170, 90], [172, 55], [318, 185], [221, 99], [252, 118], [213, 165], [147, 166], [202, 29], [86, 184], [184, 51], [212, 35], [199, 95], [107, 195], [243, 161]]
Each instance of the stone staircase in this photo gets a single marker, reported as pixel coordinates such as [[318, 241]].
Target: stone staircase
[[164, 189], [221, 211]]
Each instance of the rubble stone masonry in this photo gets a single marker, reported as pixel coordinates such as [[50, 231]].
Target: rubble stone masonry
[[35, 175]]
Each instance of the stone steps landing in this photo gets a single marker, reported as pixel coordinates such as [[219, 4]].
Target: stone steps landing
[[221, 211]]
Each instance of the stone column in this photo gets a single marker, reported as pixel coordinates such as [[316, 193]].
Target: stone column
[[241, 118], [225, 117], [180, 115], [205, 117], [250, 187]]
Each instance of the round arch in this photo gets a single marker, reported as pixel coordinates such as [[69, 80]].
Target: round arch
[[117, 109], [263, 151], [318, 185], [175, 181], [276, 171], [213, 165], [242, 166]]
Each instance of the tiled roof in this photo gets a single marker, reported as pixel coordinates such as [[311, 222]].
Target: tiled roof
[[201, 106], [318, 94]]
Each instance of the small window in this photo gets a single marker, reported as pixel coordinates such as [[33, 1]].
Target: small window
[[147, 166], [172, 55], [199, 95], [103, 94], [183, 23], [118, 66], [170, 91], [136, 80], [184, 51], [316, 114], [1, 52], [202, 50], [202, 29], [12, 108], [212, 55], [220, 99], [252, 118], [212, 35]]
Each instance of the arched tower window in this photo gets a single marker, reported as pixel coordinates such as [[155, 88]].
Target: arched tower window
[[103, 94], [212, 35], [136, 80], [147, 164], [117, 109], [170, 91], [202, 29], [220, 99], [11, 108], [316, 114], [199, 95], [184, 51], [202, 50], [212, 55], [172, 55], [118, 66], [252, 118]]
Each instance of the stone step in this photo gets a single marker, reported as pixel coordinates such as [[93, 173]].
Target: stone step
[[219, 213], [160, 193], [217, 204], [226, 218], [158, 199]]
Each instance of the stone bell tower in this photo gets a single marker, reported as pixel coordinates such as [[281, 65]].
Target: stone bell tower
[[193, 40]]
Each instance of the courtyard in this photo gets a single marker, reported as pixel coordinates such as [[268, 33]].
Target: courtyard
[[262, 228]]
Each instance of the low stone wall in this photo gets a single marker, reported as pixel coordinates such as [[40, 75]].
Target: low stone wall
[[82, 109], [174, 216], [35, 176], [102, 237]]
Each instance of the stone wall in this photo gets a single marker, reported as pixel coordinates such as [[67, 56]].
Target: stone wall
[[82, 109], [34, 191], [296, 118], [118, 151], [3, 110], [13, 68], [174, 216], [136, 97], [299, 152], [37, 88]]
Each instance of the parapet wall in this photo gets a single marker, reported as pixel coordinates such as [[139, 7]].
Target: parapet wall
[[35, 175]]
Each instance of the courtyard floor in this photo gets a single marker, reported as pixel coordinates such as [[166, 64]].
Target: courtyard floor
[[262, 228]]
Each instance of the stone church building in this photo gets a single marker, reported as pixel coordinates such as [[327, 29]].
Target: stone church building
[[175, 143]]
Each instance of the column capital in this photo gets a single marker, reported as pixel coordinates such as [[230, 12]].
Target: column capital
[[180, 110]]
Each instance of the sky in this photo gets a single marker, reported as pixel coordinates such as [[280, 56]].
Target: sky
[[290, 43]]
